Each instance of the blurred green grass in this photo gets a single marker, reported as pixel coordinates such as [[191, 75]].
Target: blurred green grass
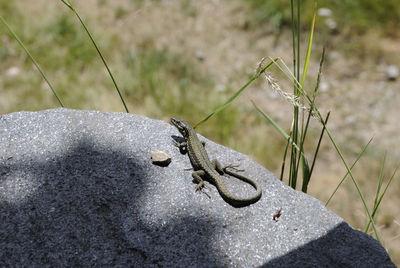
[[155, 81], [354, 16]]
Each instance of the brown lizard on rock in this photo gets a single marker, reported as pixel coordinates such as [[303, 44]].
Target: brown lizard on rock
[[211, 170]]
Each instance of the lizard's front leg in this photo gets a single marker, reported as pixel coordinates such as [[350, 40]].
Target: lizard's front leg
[[181, 145]]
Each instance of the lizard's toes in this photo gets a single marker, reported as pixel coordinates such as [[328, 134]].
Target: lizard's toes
[[199, 187]]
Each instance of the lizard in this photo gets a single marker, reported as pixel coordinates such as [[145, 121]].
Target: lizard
[[210, 170]]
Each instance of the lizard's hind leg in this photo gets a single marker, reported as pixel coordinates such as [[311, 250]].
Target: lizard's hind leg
[[222, 169]]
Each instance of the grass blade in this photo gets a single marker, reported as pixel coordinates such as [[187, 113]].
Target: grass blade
[[310, 40], [293, 37], [347, 173], [318, 115], [32, 59], [378, 189], [319, 144], [70, 6], [277, 127], [298, 129], [380, 198], [306, 174], [284, 159], [237, 94], [306, 180], [354, 182]]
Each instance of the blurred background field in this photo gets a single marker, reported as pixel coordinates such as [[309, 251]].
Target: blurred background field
[[183, 58]]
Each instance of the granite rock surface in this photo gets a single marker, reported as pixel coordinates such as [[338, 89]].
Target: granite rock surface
[[78, 188]]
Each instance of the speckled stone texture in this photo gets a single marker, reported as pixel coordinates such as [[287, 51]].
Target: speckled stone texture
[[78, 189]]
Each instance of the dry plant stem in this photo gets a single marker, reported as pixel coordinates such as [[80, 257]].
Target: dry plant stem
[[292, 99]]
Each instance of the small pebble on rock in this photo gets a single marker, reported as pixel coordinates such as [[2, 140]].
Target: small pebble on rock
[[160, 158]]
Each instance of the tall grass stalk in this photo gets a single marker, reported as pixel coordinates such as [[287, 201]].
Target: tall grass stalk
[[71, 7], [317, 114], [299, 129]]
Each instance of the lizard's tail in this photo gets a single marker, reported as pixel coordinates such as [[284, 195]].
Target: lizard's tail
[[241, 202]]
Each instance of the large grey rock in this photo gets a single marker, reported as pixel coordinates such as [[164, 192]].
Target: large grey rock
[[78, 189]]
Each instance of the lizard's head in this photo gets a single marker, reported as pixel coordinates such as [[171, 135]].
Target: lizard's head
[[182, 126]]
